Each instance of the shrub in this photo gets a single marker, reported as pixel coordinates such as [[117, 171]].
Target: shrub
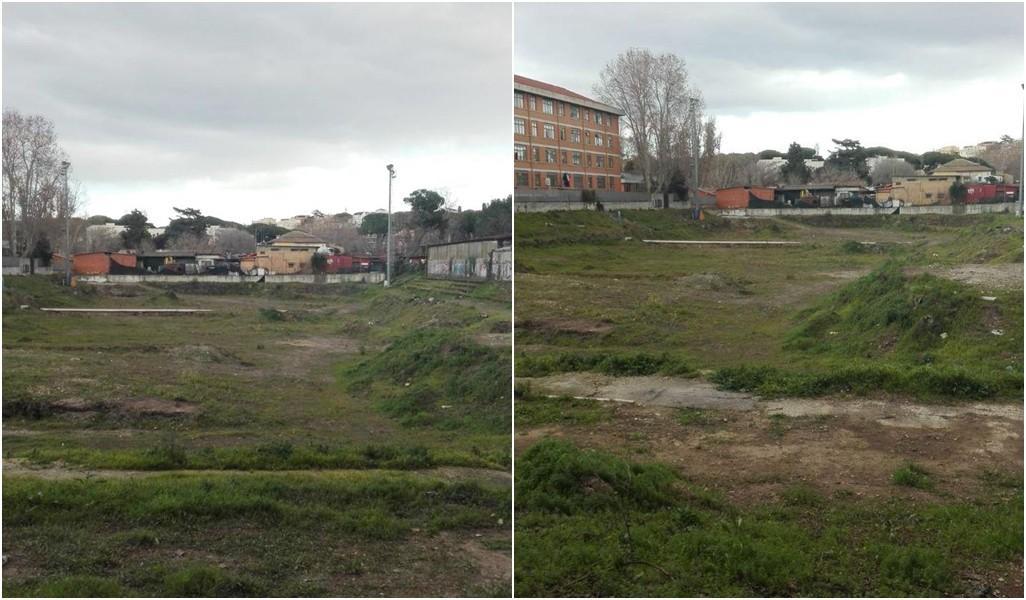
[[912, 475]]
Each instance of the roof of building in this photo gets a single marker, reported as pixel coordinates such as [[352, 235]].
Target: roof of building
[[961, 165], [297, 237], [560, 93]]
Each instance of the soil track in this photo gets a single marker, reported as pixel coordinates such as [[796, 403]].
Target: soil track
[[754, 448]]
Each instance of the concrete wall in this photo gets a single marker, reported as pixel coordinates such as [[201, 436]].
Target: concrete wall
[[967, 209], [964, 209], [467, 260], [801, 212], [376, 277], [502, 264], [549, 200], [13, 265]]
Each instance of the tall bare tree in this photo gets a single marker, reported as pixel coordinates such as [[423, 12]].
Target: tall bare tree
[[34, 197], [653, 91]]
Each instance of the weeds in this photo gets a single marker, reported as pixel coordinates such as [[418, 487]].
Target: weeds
[[621, 364], [583, 506], [912, 475]]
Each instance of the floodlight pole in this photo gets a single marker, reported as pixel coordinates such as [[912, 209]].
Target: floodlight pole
[[388, 242]]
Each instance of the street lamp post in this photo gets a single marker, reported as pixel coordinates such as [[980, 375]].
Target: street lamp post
[[67, 225], [388, 242]]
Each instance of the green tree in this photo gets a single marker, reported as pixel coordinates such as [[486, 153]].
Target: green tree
[[264, 232], [931, 160], [794, 170], [496, 218], [42, 250], [850, 155], [319, 262], [135, 232], [189, 220], [427, 209], [374, 224], [958, 192], [466, 224]]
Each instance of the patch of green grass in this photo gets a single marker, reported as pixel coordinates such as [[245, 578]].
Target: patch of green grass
[[912, 475], [244, 535], [206, 581], [74, 586], [274, 456], [621, 364], [867, 378], [630, 529]]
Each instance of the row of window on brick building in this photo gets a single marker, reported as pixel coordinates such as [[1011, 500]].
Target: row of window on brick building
[[567, 180], [600, 161], [550, 107], [549, 133]]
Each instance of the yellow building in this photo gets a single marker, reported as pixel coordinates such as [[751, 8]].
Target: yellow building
[[287, 254], [920, 190]]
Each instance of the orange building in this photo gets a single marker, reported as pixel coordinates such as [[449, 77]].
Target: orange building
[[744, 197], [103, 263], [563, 140]]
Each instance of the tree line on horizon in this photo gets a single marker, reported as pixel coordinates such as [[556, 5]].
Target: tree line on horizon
[[36, 211], [666, 135]]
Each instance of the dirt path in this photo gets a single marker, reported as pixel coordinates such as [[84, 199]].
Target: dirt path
[[754, 448], [61, 471], [652, 391], [1002, 276], [679, 392]]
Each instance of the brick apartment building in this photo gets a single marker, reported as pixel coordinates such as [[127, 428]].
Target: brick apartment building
[[562, 139]]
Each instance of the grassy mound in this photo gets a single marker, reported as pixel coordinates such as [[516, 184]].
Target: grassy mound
[[556, 476], [887, 313], [44, 290], [890, 332], [439, 378]]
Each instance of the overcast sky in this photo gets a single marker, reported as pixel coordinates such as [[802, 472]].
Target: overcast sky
[[263, 110], [908, 76]]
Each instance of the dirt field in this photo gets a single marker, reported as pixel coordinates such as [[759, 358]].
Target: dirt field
[[244, 452], [596, 319]]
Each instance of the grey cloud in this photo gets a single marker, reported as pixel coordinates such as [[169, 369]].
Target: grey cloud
[[192, 90], [733, 48]]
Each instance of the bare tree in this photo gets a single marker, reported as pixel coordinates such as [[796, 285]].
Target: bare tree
[[887, 169], [33, 184], [710, 149], [235, 241], [653, 92], [830, 173], [1006, 156], [189, 242], [729, 170], [103, 241]]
